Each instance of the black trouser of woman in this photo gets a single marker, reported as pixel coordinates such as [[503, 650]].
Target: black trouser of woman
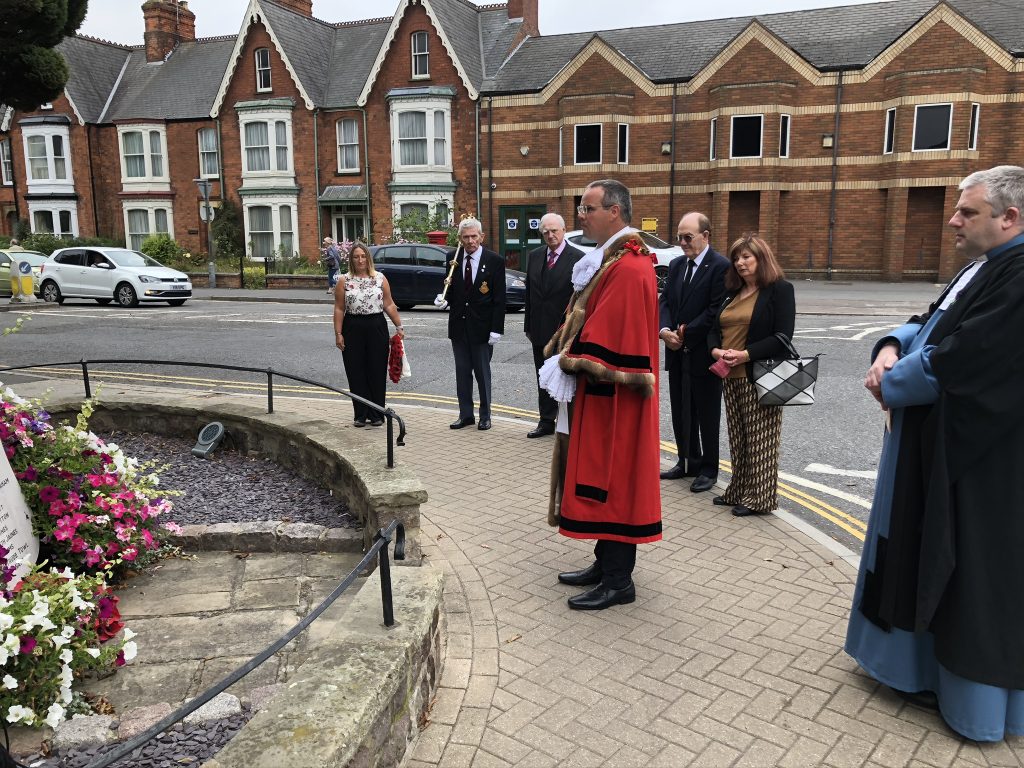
[[366, 360]]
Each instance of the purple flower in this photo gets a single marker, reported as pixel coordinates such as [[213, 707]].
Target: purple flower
[[48, 494], [30, 475], [28, 644]]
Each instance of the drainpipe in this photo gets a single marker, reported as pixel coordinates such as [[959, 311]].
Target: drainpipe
[[490, 165], [14, 178], [835, 177], [672, 169], [316, 175], [369, 194], [92, 185], [220, 175], [478, 169]]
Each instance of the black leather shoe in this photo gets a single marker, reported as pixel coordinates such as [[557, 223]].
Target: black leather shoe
[[601, 597], [541, 430], [702, 483], [675, 473], [741, 511], [584, 578], [484, 424], [460, 423], [922, 699], [719, 501]]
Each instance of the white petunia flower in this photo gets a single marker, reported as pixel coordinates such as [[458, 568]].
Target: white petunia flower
[[54, 715], [6, 622], [94, 652], [130, 650], [10, 682], [67, 655], [19, 714], [59, 640], [67, 631], [128, 634], [65, 694]]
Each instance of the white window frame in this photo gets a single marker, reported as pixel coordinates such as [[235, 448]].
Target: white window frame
[[148, 181], [429, 107], [420, 57], [151, 207], [786, 120], [949, 128], [576, 143], [54, 207], [203, 173], [972, 135], [398, 199], [275, 174], [51, 184], [6, 163], [732, 135], [263, 69], [274, 203], [342, 145], [713, 144], [622, 144], [889, 137]]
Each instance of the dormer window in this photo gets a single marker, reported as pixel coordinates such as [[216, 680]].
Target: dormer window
[[263, 69], [420, 56]]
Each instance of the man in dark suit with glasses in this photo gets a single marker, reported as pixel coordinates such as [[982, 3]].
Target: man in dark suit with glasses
[[689, 303]]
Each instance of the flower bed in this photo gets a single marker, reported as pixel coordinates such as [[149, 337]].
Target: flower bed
[[97, 513]]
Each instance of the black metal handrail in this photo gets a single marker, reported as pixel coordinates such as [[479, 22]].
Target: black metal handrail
[[379, 549], [389, 415]]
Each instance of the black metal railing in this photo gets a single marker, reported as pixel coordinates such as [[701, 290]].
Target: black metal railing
[[388, 414], [378, 550]]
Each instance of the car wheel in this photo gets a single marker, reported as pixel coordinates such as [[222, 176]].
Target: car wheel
[[176, 302], [126, 296], [661, 273], [103, 302], [404, 307], [51, 293]]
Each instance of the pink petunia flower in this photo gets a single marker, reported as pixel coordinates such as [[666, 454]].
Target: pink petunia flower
[[49, 493], [28, 644]]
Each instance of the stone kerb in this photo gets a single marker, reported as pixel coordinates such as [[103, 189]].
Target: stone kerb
[[348, 464]]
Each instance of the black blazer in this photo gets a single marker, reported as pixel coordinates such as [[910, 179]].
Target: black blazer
[[482, 311], [548, 292], [697, 306], [774, 312]]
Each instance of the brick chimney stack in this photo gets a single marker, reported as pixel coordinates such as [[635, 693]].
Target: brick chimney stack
[[305, 7], [527, 11], [168, 22]]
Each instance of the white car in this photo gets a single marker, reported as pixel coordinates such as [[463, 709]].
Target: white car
[[662, 250], [111, 274]]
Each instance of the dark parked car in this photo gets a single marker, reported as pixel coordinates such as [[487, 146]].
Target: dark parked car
[[416, 274]]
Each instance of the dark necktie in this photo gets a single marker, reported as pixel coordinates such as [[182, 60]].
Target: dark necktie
[[689, 272], [469, 274], [552, 257]]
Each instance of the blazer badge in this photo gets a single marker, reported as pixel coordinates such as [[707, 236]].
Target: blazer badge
[[484, 288]]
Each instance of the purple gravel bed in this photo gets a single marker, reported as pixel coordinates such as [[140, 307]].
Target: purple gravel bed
[[178, 746], [228, 487]]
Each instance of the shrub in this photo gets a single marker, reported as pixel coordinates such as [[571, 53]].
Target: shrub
[[162, 248], [228, 233], [47, 242], [255, 276]]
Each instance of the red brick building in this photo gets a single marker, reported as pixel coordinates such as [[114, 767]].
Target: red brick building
[[840, 134]]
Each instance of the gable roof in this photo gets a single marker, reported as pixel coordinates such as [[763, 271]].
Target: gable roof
[[306, 43], [94, 69], [830, 39], [354, 50]]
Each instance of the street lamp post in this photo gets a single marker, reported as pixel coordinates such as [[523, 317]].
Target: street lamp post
[[204, 189]]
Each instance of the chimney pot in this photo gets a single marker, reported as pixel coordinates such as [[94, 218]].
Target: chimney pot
[[168, 22]]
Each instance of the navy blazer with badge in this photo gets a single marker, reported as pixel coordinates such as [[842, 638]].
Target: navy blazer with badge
[[697, 306], [482, 312], [548, 292], [774, 312]]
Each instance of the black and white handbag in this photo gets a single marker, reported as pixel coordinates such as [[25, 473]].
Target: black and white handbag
[[786, 381]]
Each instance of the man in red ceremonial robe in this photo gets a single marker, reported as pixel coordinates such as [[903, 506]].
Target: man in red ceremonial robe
[[609, 345]]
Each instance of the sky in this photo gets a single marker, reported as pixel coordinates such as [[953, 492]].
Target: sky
[[120, 21]]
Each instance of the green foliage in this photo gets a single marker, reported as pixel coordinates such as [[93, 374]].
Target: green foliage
[[47, 242], [162, 248], [254, 277], [31, 72], [413, 228], [228, 232]]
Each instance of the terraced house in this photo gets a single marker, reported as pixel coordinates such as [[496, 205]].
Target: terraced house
[[839, 134]]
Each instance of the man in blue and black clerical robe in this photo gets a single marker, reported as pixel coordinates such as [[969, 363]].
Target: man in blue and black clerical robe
[[938, 611]]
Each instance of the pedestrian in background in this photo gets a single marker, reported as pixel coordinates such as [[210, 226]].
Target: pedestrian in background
[[759, 304], [548, 290], [361, 332], [937, 612], [332, 260]]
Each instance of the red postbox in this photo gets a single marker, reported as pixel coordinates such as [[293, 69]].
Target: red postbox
[[437, 237]]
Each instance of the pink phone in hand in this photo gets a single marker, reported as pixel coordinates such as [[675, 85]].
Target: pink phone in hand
[[720, 368]]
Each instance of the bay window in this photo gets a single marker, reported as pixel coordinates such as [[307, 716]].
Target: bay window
[[143, 160]]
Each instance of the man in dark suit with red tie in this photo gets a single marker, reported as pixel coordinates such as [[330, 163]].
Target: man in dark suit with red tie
[[548, 290], [476, 320], [689, 303]]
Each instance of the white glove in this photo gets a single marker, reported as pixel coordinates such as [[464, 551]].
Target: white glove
[[439, 302], [494, 338], [559, 384]]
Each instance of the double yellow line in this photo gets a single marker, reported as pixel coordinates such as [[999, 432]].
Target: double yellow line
[[852, 525]]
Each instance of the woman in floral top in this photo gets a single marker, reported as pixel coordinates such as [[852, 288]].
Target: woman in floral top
[[361, 299]]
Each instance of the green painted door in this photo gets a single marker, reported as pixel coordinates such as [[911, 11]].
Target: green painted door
[[520, 233]]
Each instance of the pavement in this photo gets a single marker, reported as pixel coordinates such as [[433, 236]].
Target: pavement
[[812, 297]]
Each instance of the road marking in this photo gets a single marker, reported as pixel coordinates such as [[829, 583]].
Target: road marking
[[845, 496], [827, 469]]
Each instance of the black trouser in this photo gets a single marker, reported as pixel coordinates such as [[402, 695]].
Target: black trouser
[[547, 407], [616, 560], [472, 359], [696, 417], [366, 360]]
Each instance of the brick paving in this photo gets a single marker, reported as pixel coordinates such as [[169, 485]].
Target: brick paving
[[730, 656]]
